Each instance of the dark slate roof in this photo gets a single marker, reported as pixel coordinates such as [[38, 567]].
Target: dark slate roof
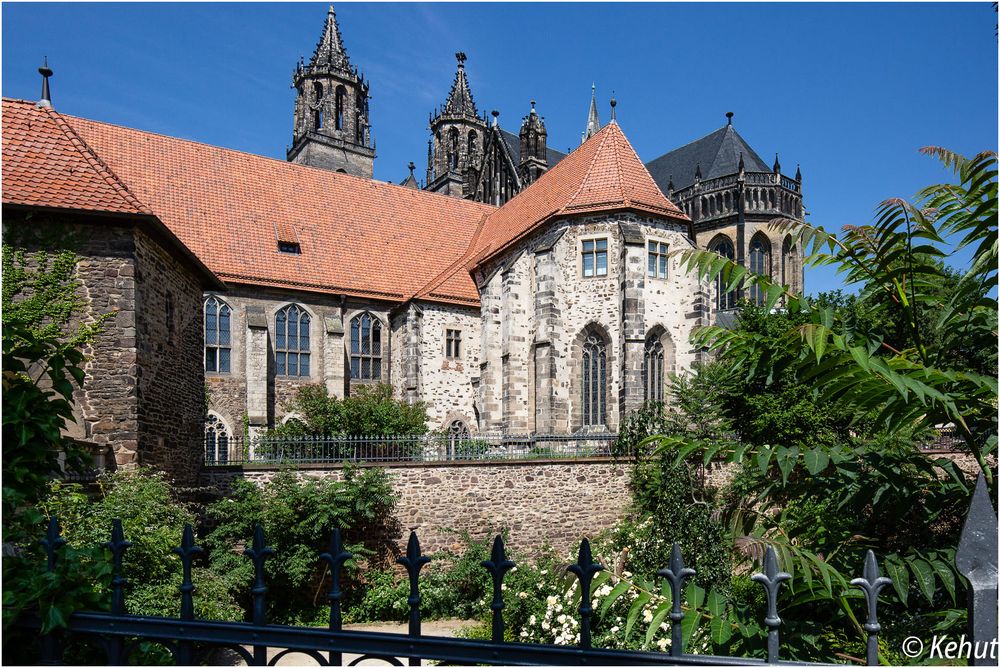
[[717, 153], [514, 143]]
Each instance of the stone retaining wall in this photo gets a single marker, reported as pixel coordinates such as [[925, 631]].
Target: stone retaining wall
[[539, 502]]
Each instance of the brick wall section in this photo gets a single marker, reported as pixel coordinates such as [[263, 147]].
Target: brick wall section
[[555, 503], [169, 364]]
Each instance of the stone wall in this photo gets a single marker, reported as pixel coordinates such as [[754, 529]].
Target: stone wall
[[448, 384], [551, 502], [169, 363]]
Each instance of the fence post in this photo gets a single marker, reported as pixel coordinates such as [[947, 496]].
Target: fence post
[[335, 557], [976, 558], [413, 562], [117, 545], [258, 553], [51, 543], [186, 551]]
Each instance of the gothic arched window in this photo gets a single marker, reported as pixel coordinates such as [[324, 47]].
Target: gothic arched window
[[318, 102], [473, 140], [458, 432], [759, 263], [724, 301], [216, 440], [366, 347], [340, 98], [594, 394], [453, 148], [653, 369], [218, 341], [291, 341], [789, 264]]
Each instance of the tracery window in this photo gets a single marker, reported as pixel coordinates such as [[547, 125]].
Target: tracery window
[[594, 394], [653, 369], [473, 139], [218, 342], [291, 341], [216, 440], [341, 96], [453, 155], [595, 257], [366, 347], [458, 432], [724, 300], [759, 263], [318, 111]]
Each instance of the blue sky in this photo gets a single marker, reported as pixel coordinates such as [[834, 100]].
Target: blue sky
[[849, 91]]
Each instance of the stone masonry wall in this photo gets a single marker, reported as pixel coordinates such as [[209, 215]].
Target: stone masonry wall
[[555, 503], [447, 385], [106, 407], [169, 363]]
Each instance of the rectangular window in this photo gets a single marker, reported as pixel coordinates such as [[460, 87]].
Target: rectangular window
[[657, 259], [595, 257], [453, 344]]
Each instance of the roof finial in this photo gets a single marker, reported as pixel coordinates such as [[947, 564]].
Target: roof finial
[[614, 103], [798, 173], [697, 172], [461, 58], [496, 117], [777, 165], [532, 106], [729, 118], [411, 166], [46, 72]]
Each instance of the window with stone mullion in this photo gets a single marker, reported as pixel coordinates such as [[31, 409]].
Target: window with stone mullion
[[366, 347], [652, 370], [218, 345], [594, 382], [291, 342]]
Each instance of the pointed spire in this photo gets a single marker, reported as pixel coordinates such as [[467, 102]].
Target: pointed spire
[[798, 173], [46, 72], [777, 165], [460, 98], [330, 53], [670, 184], [742, 166], [593, 121], [697, 171]]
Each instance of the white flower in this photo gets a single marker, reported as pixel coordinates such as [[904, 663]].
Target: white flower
[[522, 594], [524, 634], [543, 572], [550, 600], [662, 644], [546, 626], [531, 620], [539, 585], [503, 587], [626, 574], [513, 570], [663, 626], [558, 607], [615, 629], [561, 619], [647, 615]]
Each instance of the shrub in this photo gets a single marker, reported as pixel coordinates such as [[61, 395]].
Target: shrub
[[297, 516], [371, 410]]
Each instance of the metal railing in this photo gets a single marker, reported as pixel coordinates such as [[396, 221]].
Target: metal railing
[[190, 640], [433, 447]]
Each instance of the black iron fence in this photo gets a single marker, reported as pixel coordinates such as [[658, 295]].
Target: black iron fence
[[433, 447], [190, 640]]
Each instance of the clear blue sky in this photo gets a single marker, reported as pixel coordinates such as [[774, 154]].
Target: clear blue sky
[[850, 91]]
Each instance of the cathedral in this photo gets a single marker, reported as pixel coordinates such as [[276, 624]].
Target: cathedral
[[517, 289]]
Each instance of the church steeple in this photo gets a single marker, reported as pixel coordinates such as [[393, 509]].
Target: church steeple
[[593, 121], [458, 134], [459, 100], [332, 130], [330, 51]]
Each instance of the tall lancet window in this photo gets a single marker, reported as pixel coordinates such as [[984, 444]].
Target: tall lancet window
[[594, 381], [724, 300], [653, 369], [218, 342], [291, 341], [759, 263]]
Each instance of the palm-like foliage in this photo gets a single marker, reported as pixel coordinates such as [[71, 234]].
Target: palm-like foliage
[[897, 262]]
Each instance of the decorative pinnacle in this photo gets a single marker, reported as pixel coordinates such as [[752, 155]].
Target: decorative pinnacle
[[496, 117], [411, 166], [741, 166], [697, 172], [614, 103], [461, 58], [532, 106], [46, 72], [777, 164], [729, 118]]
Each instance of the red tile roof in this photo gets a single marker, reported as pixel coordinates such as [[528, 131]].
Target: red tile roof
[[603, 174], [357, 236], [46, 164]]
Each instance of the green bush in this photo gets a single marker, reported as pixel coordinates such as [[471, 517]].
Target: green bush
[[371, 410], [298, 515]]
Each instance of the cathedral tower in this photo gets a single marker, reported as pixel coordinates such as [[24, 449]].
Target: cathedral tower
[[331, 110], [457, 134], [534, 157]]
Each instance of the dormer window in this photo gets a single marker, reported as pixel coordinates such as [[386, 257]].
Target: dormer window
[[290, 247]]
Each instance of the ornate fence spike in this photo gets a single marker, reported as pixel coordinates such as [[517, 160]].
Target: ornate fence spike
[[117, 545], [498, 564], [976, 559], [335, 557], [186, 551], [871, 584], [258, 553], [585, 569], [413, 562], [52, 542], [676, 574], [771, 580]]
